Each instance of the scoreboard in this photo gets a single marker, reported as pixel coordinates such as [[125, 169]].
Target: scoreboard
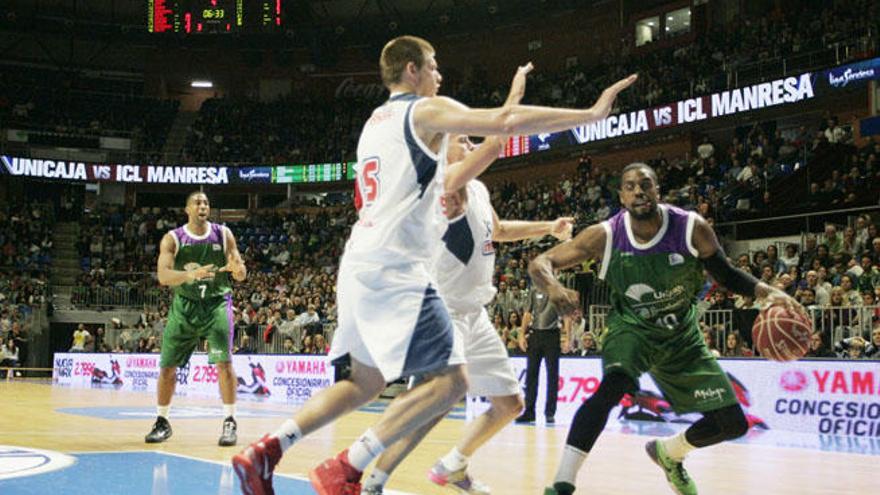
[[213, 16], [317, 172]]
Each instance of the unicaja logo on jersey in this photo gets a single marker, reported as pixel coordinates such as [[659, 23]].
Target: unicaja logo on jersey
[[709, 393], [637, 291]]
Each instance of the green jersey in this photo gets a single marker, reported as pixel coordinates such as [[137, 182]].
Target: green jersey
[[194, 251], [654, 285]]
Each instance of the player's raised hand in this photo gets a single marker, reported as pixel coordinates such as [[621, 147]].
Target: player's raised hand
[[202, 272], [606, 100], [777, 297], [518, 86], [566, 301], [562, 228]]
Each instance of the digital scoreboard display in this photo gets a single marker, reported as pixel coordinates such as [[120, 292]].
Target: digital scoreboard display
[[213, 16], [317, 172]]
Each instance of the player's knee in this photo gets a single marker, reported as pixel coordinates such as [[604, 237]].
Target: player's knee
[[458, 380], [612, 388], [509, 406]]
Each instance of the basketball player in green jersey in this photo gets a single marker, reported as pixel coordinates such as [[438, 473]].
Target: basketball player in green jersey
[[189, 257], [652, 256]]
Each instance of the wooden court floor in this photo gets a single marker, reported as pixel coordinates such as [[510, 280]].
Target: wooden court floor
[[520, 460]]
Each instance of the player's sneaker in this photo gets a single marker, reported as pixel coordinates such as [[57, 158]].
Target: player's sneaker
[[372, 490], [560, 488], [678, 478], [255, 464], [161, 431], [229, 436], [458, 480], [336, 476]]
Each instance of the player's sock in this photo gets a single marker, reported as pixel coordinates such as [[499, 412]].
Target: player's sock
[[676, 446], [377, 479], [288, 434], [572, 460], [454, 460], [364, 450], [163, 411], [229, 410]]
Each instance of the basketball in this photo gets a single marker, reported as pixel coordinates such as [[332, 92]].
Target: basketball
[[781, 335]]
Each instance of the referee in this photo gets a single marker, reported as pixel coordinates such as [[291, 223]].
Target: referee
[[540, 339]]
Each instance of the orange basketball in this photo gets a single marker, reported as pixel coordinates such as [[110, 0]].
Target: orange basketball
[[781, 335]]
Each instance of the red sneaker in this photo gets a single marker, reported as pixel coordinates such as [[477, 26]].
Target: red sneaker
[[255, 464], [336, 476]]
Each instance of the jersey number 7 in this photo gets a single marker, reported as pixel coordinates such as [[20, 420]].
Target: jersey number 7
[[367, 184]]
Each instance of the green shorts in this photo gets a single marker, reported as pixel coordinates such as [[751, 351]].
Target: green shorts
[[681, 366], [189, 321]]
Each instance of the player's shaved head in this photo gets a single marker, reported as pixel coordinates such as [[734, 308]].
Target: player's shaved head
[[640, 166], [398, 53], [193, 194]]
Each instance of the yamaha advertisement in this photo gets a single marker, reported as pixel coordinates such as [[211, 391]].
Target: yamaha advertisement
[[821, 397]]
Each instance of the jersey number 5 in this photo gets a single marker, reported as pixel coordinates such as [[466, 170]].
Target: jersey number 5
[[367, 185]]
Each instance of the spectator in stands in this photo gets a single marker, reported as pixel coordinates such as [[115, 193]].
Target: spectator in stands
[[709, 339], [818, 347], [309, 317], [307, 345], [142, 346], [8, 353], [321, 346], [773, 259], [246, 347], [734, 347], [850, 294], [588, 345], [851, 348], [80, 337], [288, 347], [833, 239], [809, 253], [791, 258], [872, 351]]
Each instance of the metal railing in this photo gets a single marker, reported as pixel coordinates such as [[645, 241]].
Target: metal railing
[[117, 297]]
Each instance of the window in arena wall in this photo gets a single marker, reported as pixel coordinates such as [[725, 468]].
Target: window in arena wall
[[678, 22], [647, 30]]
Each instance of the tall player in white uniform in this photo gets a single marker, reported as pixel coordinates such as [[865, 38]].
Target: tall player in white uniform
[[391, 320], [464, 269]]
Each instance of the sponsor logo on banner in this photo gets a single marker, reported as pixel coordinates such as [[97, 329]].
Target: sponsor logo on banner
[[839, 79], [276, 378], [255, 174], [348, 88]]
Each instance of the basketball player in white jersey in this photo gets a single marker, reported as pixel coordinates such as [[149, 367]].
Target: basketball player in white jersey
[[391, 320], [464, 269]]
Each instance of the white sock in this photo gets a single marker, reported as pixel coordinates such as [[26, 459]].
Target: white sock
[[364, 450], [454, 460], [677, 446], [229, 410], [377, 478], [288, 434], [572, 460], [163, 411]]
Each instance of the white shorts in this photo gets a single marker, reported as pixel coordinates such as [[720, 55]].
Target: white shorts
[[489, 370], [392, 319]]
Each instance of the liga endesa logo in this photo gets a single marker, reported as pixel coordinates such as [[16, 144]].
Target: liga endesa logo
[[839, 382]]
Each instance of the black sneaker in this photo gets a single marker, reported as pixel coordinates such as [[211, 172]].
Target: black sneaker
[[161, 431], [550, 420], [525, 419], [229, 436]]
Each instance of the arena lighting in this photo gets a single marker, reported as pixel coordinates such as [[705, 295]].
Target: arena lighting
[[202, 84]]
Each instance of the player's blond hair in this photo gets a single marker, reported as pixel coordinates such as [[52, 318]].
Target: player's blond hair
[[398, 53]]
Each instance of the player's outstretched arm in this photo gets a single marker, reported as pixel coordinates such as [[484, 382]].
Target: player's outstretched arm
[[475, 163], [460, 173], [441, 114], [589, 244], [736, 280], [517, 230], [165, 267], [234, 261]]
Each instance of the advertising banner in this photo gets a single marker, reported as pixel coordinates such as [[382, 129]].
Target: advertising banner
[[277, 378], [822, 397]]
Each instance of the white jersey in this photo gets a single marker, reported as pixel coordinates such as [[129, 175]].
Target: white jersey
[[465, 266], [398, 190]]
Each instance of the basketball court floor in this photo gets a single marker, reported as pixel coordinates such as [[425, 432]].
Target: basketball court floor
[[57, 440]]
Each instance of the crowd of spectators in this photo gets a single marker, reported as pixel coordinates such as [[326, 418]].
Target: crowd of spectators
[[305, 128], [26, 237], [69, 104]]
